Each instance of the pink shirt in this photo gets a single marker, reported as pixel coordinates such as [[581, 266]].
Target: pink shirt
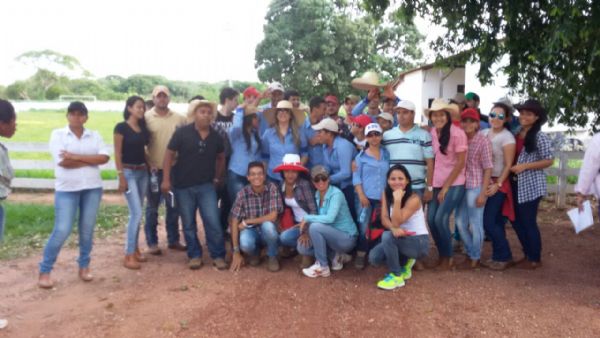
[[444, 164]]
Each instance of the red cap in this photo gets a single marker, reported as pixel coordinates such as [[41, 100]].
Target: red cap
[[251, 91], [470, 113], [362, 120], [332, 98]]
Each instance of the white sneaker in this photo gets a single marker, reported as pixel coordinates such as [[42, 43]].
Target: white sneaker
[[316, 271], [339, 260]]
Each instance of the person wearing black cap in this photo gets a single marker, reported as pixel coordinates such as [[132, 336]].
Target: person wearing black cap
[[534, 154]]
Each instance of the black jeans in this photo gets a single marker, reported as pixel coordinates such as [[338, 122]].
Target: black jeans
[[172, 217]]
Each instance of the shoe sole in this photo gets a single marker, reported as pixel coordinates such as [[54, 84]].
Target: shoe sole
[[392, 288], [316, 276], [337, 268]]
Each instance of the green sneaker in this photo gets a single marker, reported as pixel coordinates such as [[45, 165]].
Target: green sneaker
[[407, 269], [390, 282]]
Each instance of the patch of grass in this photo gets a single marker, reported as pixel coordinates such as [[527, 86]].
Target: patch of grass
[[36, 126], [34, 155], [106, 175], [554, 179], [28, 227]]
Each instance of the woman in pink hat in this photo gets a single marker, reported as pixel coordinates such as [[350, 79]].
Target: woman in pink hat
[[299, 198]]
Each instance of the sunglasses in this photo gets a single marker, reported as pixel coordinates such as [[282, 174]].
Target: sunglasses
[[375, 133], [320, 178], [500, 116], [201, 147]]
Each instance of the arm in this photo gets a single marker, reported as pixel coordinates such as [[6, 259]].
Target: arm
[[508, 151], [270, 217], [237, 260], [357, 182], [385, 215], [335, 204], [401, 215], [545, 152], [345, 159], [360, 107], [118, 144], [167, 165], [427, 195], [487, 177], [460, 166], [238, 122], [86, 159], [219, 166]]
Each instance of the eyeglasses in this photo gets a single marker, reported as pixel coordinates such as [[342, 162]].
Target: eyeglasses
[[494, 115], [374, 133], [201, 147], [320, 178]]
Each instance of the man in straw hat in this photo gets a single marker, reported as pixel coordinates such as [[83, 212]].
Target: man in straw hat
[[200, 161], [161, 122], [370, 81]]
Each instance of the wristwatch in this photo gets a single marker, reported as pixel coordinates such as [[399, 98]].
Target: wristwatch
[[429, 188], [236, 249]]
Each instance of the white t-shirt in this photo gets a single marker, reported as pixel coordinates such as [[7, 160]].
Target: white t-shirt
[[296, 209], [83, 178], [499, 140], [415, 223]]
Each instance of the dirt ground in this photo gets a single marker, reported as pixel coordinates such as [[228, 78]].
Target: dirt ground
[[165, 299]]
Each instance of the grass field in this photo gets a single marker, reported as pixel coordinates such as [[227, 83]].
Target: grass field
[[29, 225]]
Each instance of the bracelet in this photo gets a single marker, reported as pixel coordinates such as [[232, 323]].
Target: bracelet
[[236, 249]]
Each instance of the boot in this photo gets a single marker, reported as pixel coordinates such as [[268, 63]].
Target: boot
[[445, 264], [131, 262], [139, 256]]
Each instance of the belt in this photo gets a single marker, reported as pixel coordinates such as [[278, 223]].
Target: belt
[[134, 167]]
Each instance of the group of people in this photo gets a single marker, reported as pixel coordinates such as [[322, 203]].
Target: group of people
[[371, 186]]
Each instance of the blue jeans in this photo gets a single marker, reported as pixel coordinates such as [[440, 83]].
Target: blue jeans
[[467, 215], [526, 226], [326, 241], [171, 222], [251, 239], [494, 224], [201, 197], [290, 237], [377, 255], [362, 243], [137, 185], [66, 205], [438, 218], [235, 183], [399, 250]]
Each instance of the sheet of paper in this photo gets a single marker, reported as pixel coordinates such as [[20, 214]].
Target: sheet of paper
[[582, 220]]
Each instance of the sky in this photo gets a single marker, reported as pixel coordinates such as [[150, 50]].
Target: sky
[[202, 40]]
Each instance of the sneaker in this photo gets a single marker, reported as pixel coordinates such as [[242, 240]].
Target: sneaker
[[273, 264], [154, 250], [177, 247], [195, 263], [407, 269], [219, 263], [390, 282], [360, 260], [316, 271], [338, 261]]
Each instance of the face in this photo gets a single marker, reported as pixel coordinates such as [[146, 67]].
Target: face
[[470, 126], [439, 119], [498, 117], [397, 180], [388, 106], [295, 100], [349, 105], [319, 111], [76, 119], [332, 107], [138, 109], [323, 136], [231, 104], [255, 122], [161, 101], [385, 124], [290, 176], [256, 176], [283, 115], [374, 103], [8, 129], [527, 118], [357, 130], [276, 96], [321, 183], [203, 115], [472, 104], [374, 138], [406, 118]]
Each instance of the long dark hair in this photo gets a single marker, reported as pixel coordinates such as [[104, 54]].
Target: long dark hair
[[389, 193], [247, 132], [444, 135], [142, 122], [531, 136]]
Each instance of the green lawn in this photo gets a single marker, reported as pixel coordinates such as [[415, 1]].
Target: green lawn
[[29, 225], [49, 173], [36, 126]]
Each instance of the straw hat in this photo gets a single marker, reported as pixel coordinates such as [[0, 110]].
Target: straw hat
[[441, 104], [194, 104], [291, 162], [369, 80], [298, 114]]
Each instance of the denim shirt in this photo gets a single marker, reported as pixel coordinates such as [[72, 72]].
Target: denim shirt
[[371, 173], [240, 155], [334, 211], [362, 104], [273, 149], [315, 154], [338, 161]]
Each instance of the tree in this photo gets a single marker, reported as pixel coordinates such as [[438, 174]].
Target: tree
[[318, 46], [553, 47], [50, 60]]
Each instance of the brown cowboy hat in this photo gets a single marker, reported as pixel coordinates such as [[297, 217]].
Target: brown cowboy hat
[[298, 114]]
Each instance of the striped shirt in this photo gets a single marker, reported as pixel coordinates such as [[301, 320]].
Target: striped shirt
[[410, 149]]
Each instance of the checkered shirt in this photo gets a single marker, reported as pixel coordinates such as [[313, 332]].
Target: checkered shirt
[[532, 183], [479, 158], [249, 204]]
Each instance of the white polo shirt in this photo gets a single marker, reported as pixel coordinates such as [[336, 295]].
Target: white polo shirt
[[83, 178]]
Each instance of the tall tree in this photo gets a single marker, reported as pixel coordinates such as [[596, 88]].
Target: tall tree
[[318, 46], [553, 47]]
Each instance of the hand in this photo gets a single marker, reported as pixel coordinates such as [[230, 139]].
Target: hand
[[122, 184], [353, 166], [242, 224], [427, 196], [304, 240], [492, 189], [398, 194], [372, 93], [302, 225], [398, 232], [67, 155], [580, 199], [165, 187], [364, 201], [315, 140], [442, 195], [518, 168], [480, 201], [237, 262], [388, 90]]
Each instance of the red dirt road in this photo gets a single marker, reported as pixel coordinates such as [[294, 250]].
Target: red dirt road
[[166, 299]]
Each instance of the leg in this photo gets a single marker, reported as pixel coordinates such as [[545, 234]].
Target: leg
[[65, 207], [270, 237], [207, 203], [324, 236], [88, 211], [414, 247], [249, 241], [224, 206], [134, 203], [289, 237], [235, 183], [432, 209], [377, 254], [494, 222], [171, 219], [527, 229], [153, 201], [461, 218], [442, 219], [142, 186], [186, 204], [362, 241], [476, 221]]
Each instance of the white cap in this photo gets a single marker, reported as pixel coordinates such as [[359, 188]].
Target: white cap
[[276, 86], [408, 105], [373, 127], [386, 116], [327, 124]]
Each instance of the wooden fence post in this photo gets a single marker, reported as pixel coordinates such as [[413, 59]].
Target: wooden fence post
[[561, 194]]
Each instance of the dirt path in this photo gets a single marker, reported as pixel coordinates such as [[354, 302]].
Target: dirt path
[[166, 299]]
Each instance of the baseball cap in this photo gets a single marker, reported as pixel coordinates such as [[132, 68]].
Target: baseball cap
[[471, 96], [319, 170], [408, 105], [160, 89], [251, 91], [275, 86], [372, 127], [470, 113], [362, 120], [327, 124], [386, 116]]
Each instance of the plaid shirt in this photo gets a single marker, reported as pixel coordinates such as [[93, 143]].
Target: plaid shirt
[[303, 194], [249, 204], [532, 183], [479, 158]]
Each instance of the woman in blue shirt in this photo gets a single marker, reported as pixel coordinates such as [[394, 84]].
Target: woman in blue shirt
[[372, 164], [331, 231], [283, 137], [245, 147]]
